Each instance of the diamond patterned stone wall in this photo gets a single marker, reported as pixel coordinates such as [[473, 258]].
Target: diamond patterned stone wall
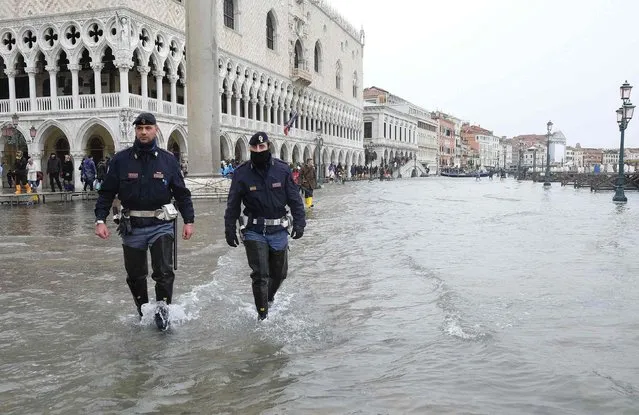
[[168, 12]]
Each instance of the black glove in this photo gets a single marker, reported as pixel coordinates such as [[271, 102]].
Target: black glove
[[231, 238], [297, 233]]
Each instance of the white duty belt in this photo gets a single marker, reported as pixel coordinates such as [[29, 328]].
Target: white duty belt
[[166, 212], [144, 213], [267, 222]]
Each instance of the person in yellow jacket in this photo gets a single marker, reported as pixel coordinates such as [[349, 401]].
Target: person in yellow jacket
[[308, 182], [21, 172]]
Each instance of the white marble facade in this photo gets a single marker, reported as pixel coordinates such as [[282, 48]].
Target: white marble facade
[[63, 64]]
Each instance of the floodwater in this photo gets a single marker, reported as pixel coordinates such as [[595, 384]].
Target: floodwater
[[415, 296]]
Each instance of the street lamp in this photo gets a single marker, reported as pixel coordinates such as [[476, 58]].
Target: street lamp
[[624, 115], [32, 132], [548, 133]]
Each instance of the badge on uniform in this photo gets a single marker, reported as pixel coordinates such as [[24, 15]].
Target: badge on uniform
[[253, 188], [133, 175], [278, 184], [158, 175]]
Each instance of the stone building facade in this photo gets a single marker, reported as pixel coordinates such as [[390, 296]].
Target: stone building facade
[[75, 73], [394, 127]]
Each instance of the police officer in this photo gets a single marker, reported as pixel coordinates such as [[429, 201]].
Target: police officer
[[265, 186], [145, 178]]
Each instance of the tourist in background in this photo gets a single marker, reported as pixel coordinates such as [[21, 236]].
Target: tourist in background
[[54, 167]]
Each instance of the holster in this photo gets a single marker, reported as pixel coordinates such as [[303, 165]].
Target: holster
[[124, 227]]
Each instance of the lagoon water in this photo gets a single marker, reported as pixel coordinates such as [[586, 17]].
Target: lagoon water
[[415, 296]]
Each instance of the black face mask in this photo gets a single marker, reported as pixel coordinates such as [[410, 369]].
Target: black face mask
[[261, 159]]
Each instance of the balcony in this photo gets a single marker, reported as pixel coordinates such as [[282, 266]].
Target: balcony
[[301, 76], [90, 102]]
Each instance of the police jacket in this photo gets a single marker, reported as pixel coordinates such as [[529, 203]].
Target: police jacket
[[265, 194], [144, 179]]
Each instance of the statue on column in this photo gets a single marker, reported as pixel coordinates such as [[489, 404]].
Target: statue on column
[[126, 127]]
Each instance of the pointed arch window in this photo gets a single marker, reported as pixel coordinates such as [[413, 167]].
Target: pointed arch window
[[270, 31], [299, 63], [338, 76], [317, 57], [229, 14]]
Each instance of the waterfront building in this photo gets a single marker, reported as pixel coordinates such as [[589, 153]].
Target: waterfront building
[[75, 73], [570, 158], [449, 139], [394, 127]]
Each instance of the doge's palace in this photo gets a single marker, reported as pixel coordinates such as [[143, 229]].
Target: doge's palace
[[74, 73]]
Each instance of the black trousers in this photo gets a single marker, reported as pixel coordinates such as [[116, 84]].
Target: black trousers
[[137, 269], [269, 268], [52, 177]]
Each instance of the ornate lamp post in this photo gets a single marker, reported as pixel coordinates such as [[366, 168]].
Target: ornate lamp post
[[624, 115], [548, 134]]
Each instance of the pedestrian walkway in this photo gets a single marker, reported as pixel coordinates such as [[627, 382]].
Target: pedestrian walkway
[[11, 198]]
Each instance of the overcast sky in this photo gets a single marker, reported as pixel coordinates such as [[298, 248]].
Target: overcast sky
[[507, 65]]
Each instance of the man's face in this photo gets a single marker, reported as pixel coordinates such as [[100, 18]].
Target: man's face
[[259, 147], [145, 133]]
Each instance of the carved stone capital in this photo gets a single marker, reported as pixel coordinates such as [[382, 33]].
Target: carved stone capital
[[159, 74], [173, 78], [144, 70], [52, 69], [31, 70], [73, 67], [11, 73], [97, 67], [123, 65]]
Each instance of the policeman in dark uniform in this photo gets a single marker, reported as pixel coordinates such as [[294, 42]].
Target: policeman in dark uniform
[[145, 178], [265, 186]]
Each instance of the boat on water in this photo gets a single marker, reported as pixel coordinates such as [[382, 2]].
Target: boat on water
[[462, 174]]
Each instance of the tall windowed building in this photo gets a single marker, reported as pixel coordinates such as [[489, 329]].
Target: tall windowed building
[[75, 73]]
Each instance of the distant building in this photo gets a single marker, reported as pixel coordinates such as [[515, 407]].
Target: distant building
[[394, 127]]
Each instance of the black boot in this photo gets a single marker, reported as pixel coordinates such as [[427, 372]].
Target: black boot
[[257, 254], [163, 275], [137, 269], [278, 269], [162, 265]]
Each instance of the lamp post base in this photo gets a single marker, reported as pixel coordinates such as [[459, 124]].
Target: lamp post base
[[619, 195], [547, 184]]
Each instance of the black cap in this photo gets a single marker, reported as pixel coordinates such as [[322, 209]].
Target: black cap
[[258, 138], [145, 118]]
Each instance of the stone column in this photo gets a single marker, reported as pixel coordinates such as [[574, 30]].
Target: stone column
[[124, 68], [173, 79], [76, 156], [228, 101], [75, 87], [53, 85], [31, 71], [186, 90], [97, 83], [11, 74], [159, 75], [237, 105], [268, 113], [203, 71], [246, 102], [144, 80], [254, 108]]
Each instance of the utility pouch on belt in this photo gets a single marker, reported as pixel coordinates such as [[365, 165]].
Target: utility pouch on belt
[[124, 227], [168, 212], [242, 220]]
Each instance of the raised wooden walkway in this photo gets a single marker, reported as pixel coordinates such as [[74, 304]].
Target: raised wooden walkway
[[13, 199]]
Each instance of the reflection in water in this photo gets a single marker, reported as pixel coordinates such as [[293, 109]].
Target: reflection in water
[[412, 296]]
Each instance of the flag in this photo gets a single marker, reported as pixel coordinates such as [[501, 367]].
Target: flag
[[289, 124]]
